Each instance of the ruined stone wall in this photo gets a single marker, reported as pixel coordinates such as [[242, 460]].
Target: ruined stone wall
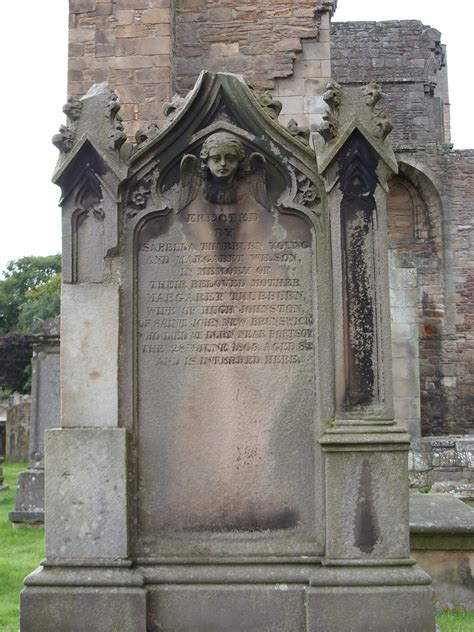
[[147, 49], [458, 368], [430, 204], [150, 49], [260, 40], [409, 62], [128, 44]]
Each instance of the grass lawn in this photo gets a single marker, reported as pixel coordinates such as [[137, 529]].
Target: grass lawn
[[20, 552], [22, 549], [456, 622]]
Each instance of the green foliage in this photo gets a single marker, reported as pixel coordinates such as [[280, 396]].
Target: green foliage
[[43, 301], [20, 553], [23, 549], [5, 393], [30, 287], [456, 621]]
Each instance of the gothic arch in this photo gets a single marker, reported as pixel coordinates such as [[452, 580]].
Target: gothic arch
[[415, 215], [415, 231]]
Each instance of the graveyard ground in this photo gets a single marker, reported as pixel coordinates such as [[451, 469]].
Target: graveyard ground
[[20, 552], [22, 549]]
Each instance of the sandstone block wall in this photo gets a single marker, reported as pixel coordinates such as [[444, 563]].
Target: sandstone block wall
[[258, 39], [457, 370], [431, 202], [150, 49], [128, 44], [409, 62]]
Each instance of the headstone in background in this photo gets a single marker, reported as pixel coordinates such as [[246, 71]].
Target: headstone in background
[[3, 440], [18, 432], [45, 414]]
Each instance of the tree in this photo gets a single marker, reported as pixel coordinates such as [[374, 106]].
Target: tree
[[30, 288], [43, 301], [15, 355]]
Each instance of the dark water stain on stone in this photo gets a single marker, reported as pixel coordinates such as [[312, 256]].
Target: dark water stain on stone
[[250, 521], [465, 574], [358, 181], [366, 527]]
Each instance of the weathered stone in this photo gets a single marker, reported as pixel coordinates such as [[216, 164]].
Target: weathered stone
[[206, 452], [45, 413], [29, 500], [83, 610], [382, 609], [442, 541], [18, 432], [85, 496], [238, 608], [89, 361]]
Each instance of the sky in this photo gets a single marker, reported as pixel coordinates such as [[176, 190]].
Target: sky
[[33, 49]]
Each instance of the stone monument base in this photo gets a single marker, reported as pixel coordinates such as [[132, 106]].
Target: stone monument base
[[228, 598], [29, 503], [83, 599]]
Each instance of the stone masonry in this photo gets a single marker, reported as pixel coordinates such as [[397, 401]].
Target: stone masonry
[[430, 206], [150, 49]]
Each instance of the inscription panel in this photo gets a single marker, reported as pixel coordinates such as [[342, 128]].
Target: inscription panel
[[225, 360]]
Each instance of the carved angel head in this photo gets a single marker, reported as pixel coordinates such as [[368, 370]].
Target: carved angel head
[[223, 158]]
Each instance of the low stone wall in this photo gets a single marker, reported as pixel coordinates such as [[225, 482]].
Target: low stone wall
[[444, 464], [442, 543]]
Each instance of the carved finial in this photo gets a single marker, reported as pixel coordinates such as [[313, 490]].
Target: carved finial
[[382, 125], [307, 192], [72, 108], [302, 132], [112, 106], [328, 128], [64, 140], [330, 124], [171, 108], [372, 94], [144, 135], [117, 136], [379, 122], [270, 105], [333, 96]]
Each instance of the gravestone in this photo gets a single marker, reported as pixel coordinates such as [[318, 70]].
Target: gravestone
[[3, 441], [45, 403], [227, 458], [18, 432]]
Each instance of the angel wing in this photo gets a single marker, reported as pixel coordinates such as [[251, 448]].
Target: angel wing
[[257, 179], [191, 181]]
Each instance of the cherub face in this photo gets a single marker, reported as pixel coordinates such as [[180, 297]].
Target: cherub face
[[223, 162]]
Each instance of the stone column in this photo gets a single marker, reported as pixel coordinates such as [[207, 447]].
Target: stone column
[[29, 503], [86, 523], [366, 449], [405, 363]]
